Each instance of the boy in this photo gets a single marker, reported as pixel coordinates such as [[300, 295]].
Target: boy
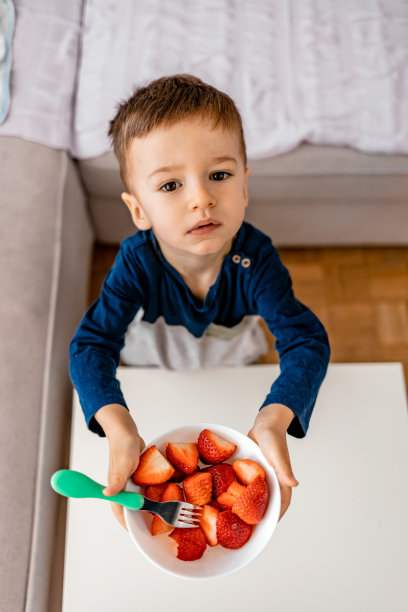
[[187, 289]]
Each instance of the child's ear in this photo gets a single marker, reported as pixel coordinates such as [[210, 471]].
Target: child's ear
[[137, 213], [246, 176]]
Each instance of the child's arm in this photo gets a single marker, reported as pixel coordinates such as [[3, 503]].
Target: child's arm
[[95, 348], [94, 357], [269, 432], [125, 446], [304, 353], [301, 340]]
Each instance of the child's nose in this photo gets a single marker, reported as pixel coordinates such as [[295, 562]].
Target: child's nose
[[201, 197]]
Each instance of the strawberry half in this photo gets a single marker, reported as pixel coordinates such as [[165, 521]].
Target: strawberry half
[[198, 488], [183, 456], [191, 543], [208, 524], [178, 476], [232, 532], [153, 468], [227, 499], [251, 505], [172, 492], [223, 475], [213, 448], [247, 470], [154, 492]]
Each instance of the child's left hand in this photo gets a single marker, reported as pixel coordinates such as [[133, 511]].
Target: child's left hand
[[269, 432]]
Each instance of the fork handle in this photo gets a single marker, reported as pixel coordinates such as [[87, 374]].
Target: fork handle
[[75, 484]]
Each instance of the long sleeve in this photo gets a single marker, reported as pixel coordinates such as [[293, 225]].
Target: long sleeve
[[301, 341], [95, 348]]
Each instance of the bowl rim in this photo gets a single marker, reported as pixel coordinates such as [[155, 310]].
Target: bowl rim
[[274, 519]]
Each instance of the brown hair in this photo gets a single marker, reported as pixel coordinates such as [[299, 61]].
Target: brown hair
[[165, 101]]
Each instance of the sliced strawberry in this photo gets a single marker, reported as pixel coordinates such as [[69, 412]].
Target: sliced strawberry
[[251, 505], [236, 489], [208, 524], [213, 448], [154, 492], [183, 456], [247, 470], [214, 504], [232, 532], [198, 488], [227, 499], [153, 468], [191, 543], [178, 476], [172, 492], [223, 475]]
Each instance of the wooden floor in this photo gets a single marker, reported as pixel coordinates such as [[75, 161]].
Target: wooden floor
[[359, 294]]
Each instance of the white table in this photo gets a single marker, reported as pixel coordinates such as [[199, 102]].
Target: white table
[[342, 545]]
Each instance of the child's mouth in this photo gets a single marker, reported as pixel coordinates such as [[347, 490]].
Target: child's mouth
[[204, 227]]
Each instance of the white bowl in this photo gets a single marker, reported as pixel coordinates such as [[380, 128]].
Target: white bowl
[[216, 560]]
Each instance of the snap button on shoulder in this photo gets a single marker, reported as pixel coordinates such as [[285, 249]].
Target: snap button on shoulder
[[236, 258], [246, 262]]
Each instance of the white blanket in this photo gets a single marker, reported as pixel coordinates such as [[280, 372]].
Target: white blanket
[[321, 71]]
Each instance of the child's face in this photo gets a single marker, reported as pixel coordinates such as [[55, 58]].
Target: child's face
[[196, 188]]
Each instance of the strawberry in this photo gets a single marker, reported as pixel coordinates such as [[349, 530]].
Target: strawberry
[[172, 492], [191, 543], [154, 492], [213, 448], [153, 468], [183, 456], [178, 476], [247, 470], [208, 524], [236, 489], [227, 499], [198, 488], [214, 504], [232, 532], [251, 505], [223, 475]]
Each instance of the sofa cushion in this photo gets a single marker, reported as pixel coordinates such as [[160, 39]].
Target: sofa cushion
[[45, 254], [315, 195]]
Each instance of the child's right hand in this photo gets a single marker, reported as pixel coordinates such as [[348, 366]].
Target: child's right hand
[[125, 447]]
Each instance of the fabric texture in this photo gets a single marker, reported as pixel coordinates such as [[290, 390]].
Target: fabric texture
[[6, 33], [45, 249], [252, 281], [45, 47], [324, 72]]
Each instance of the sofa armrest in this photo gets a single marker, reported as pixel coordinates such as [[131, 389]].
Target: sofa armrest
[[46, 259]]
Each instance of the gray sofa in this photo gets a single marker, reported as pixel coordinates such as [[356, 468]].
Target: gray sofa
[[52, 209], [312, 196]]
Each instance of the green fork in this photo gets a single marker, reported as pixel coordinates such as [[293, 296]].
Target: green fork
[[75, 484]]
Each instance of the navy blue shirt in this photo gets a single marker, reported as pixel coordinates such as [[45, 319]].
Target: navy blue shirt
[[252, 281]]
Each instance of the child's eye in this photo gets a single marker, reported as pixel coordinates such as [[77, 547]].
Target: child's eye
[[218, 175], [169, 186]]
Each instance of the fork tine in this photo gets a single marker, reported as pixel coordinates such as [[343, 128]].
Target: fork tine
[[190, 511], [184, 523], [175, 513], [187, 506], [188, 515]]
